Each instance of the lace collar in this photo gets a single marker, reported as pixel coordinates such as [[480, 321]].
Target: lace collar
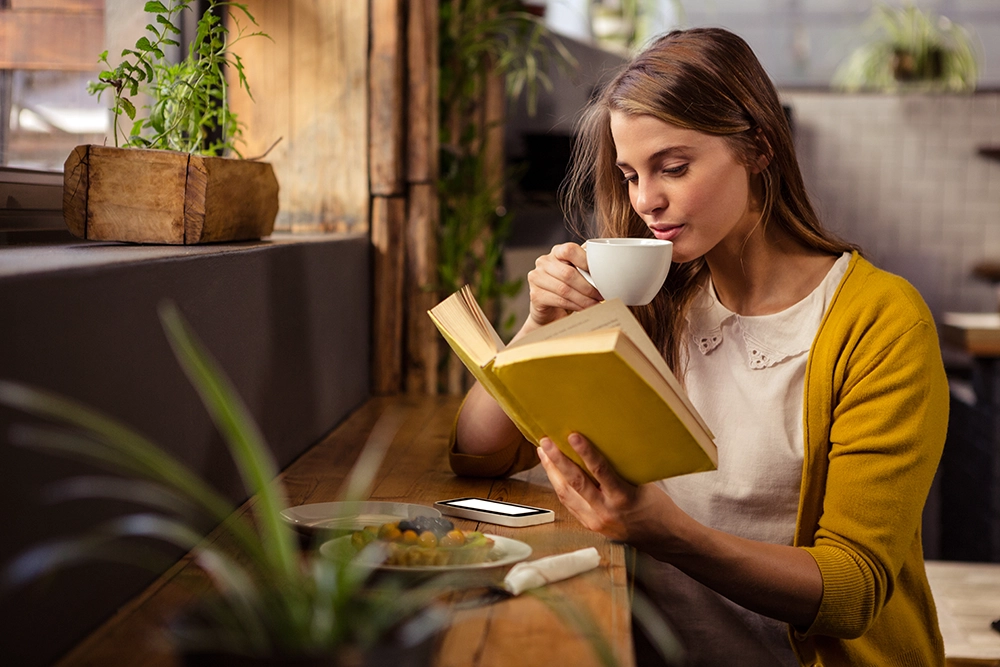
[[768, 339]]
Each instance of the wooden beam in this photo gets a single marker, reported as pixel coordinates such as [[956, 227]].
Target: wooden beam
[[422, 92], [313, 94], [51, 39], [93, 5], [267, 117], [387, 97], [423, 343], [388, 225]]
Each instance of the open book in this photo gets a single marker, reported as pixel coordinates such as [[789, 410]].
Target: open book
[[594, 372]]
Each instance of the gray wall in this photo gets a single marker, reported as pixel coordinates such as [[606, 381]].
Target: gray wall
[[288, 322], [901, 176]]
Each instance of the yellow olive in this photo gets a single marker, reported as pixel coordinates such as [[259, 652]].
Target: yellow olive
[[454, 538], [410, 537], [427, 539]]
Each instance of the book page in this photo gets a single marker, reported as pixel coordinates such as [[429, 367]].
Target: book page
[[606, 315], [467, 326]]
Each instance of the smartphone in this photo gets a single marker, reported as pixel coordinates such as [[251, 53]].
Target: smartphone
[[495, 511]]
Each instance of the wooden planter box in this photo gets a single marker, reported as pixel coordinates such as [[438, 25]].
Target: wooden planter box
[[155, 196]]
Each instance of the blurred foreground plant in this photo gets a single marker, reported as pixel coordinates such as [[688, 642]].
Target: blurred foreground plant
[[269, 596]]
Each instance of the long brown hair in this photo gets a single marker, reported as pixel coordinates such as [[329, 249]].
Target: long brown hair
[[709, 80]]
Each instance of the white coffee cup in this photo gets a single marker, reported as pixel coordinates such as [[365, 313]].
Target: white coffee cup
[[630, 269]]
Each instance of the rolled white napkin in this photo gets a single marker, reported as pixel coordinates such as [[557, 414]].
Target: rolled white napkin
[[550, 569]]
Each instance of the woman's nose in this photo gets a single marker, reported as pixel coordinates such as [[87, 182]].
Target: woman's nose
[[649, 197]]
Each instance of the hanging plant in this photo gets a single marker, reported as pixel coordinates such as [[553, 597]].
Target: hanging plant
[[910, 49], [480, 39]]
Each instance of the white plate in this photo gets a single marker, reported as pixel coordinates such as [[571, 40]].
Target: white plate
[[352, 515], [505, 551]]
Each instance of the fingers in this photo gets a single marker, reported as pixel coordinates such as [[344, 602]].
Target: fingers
[[556, 285], [596, 463], [571, 476], [567, 495]]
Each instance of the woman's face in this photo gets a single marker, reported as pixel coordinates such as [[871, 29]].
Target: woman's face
[[687, 186]]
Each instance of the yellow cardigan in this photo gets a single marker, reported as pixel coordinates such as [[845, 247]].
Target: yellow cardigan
[[875, 419], [875, 416]]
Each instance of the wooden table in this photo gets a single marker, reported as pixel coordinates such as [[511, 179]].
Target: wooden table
[[521, 631], [977, 334], [967, 596]]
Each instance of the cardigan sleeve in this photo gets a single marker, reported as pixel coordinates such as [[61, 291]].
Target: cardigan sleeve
[[519, 456], [886, 435]]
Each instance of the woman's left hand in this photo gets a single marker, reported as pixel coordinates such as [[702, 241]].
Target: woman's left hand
[[611, 506]]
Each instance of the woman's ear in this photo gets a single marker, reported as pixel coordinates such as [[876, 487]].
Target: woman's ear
[[765, 154]]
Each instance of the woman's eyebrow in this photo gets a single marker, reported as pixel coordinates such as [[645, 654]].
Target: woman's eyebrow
[[662, 153]]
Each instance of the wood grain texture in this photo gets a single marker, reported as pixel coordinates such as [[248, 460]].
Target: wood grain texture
[[67, 37], [422, 91], [147, 196], [521, 631], [136, 195], [268, 119], [386, 97], [494, 101], [310, 88], [75, 184], [92, 5], [388, 225], [329, 116], [241, 200], [423, 343]]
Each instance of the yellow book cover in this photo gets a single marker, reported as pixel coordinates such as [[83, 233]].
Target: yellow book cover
[[595, 372]]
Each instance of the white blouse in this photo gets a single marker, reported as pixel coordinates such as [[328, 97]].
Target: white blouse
[[746, 376]]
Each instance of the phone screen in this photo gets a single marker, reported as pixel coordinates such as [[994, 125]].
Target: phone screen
[[493, 506]]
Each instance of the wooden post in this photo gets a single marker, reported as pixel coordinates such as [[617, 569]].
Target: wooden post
[[387, 97], [423, 343], [388, 228], [422, 92]]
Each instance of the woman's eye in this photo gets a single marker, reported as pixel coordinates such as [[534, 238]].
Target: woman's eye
[[675, 171], [629, 178]]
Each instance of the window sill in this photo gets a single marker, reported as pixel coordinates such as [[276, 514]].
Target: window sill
[[30, 259]]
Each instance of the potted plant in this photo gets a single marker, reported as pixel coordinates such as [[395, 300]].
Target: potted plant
[[270, 599], [910, 49], [171, 178], [482, 43]]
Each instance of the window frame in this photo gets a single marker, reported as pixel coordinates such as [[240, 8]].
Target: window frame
[[30, 200]]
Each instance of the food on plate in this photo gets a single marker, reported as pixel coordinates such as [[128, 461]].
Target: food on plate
[[425, 540]]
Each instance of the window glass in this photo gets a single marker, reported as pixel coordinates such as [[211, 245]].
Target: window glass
[[799, 42], [50, 113]]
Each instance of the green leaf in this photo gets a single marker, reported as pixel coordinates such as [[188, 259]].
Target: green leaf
[[232, 417], [128, 107], [165, 22], [143, 44], [155, 7]]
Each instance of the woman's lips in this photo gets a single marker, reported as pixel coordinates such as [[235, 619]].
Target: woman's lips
[[667, 233]]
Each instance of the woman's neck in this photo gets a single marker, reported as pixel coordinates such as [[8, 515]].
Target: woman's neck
[[765, 274]]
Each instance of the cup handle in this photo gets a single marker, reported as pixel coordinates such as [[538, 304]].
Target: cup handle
[[585, 274]]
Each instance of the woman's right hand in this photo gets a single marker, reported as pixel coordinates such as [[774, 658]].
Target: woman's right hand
[[556, 288]]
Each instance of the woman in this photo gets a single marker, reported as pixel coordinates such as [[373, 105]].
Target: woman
[[820, 375]]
